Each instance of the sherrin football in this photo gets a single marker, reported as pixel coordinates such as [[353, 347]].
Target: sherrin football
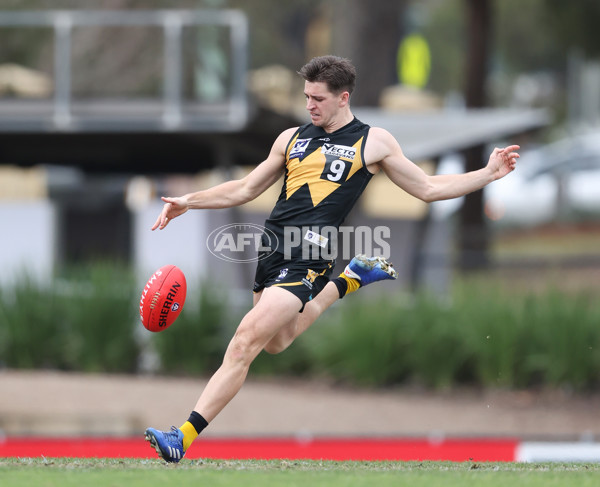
[[163, 298]]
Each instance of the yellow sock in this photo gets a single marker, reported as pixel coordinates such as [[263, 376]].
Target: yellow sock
[[189, 434], [353, 284]]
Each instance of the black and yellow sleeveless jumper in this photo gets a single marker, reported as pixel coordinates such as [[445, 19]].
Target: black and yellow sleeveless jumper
[[325, 174]]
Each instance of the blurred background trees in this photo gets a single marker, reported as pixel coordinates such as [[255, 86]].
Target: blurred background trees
[[532, 39]]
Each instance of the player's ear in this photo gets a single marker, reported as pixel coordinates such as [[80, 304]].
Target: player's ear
[[344, 98]]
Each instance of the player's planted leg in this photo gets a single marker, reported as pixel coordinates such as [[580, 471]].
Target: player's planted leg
[[168, 444], [275, 309], [272, 325]]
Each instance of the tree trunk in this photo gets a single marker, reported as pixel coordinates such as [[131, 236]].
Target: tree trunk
[[473, 231], [369, 32]]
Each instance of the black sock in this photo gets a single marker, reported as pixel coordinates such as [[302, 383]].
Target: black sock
[[342, 286], [197, 421]]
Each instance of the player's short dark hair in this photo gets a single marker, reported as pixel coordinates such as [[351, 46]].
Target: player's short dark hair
[[337, 72]]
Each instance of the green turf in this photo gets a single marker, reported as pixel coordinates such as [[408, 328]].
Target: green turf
[[65, 472]]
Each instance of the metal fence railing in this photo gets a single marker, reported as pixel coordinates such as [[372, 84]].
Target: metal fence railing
[[171, 111]]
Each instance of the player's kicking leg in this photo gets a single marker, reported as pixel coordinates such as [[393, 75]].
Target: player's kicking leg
[[361, 270]]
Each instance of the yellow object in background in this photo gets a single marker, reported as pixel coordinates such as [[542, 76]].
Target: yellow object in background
[[414, 61]]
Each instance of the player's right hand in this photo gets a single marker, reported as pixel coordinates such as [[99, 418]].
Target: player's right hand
[[172, 209]]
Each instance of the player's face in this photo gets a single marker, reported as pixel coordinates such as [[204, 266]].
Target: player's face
[[323, 105]]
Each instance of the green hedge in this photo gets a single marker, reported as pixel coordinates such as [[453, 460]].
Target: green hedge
[[483, 335], [195, 343], [81, 321]]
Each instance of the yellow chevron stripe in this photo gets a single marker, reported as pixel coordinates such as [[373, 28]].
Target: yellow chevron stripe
[[309, 172]]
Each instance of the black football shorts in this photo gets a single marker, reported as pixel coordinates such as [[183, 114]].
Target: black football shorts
[[303, 278]]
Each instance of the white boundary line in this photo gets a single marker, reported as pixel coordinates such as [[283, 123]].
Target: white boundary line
[[531, 451]]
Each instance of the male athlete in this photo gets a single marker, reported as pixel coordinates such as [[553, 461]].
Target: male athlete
[[326, 165]]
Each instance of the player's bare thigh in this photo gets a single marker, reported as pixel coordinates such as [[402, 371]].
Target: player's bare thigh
[[289, 327], [274, 309], [256, 297]]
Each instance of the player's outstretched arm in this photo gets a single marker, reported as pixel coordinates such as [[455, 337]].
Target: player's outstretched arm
[[502, 161], [384, 149], [230, 193]]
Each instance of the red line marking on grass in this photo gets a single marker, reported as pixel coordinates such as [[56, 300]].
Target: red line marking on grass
[[365, 449]]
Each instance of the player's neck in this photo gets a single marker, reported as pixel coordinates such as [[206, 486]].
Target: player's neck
[[341, 121]]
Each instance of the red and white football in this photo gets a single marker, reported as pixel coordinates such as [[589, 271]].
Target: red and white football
[[163, 298]]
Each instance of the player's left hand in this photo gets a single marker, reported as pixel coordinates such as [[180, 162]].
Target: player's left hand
[[503, 160], [172, 208]]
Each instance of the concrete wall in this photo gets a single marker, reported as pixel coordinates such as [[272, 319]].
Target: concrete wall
[[27, 240]]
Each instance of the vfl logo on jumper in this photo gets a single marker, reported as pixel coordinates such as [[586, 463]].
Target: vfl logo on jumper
[[309, 280], [299, 148], [282, 274], [169, 305], [242, 242]]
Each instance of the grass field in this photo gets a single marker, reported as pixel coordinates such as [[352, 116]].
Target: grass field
[[66, 472]]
